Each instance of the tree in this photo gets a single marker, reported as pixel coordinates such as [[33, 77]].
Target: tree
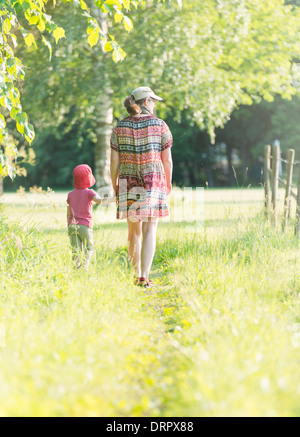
[[220, 55], [212, 58], [29, 20]]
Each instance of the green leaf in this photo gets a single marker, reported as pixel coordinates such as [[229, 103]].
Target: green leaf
[[90, 30], [29, 132], [8, 103], [6, 25], [41, 26], [107, 8], [10, 62], [21, 118], [128, 23], [2, 157], [118, 16], [25, 6], [30, 40], [108, 46], [20, 128], [59, 33], [14, 40], [83, 5], [14, 112], [32, 18], [20, 72], [93, 38], [47, 44], [118, 54], [50, 26], [114, 3], [15, 93], [10, 170], [23, 31], [2, 122]]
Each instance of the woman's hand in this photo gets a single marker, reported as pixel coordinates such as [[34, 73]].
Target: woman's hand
[[169, 189], [115, 188]]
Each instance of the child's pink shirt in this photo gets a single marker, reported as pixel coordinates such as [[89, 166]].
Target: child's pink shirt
[[81, 206]]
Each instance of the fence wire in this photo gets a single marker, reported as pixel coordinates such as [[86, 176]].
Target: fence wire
[[285, 161]]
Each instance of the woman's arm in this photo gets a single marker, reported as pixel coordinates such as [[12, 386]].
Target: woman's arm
[[166, 157], [114, 168], [103, 200]]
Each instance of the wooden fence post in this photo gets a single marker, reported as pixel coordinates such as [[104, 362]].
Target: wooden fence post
[[267, 169], [275, 181], [297, 227], [288, 187]]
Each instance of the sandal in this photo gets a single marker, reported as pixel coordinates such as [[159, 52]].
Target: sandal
[[146, 283]]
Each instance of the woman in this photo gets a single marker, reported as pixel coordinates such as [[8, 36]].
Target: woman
[[141, 173]]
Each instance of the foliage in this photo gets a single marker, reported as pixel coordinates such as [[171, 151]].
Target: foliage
[[251, 128], [189, 153], [13, 160], [221, 55], [69, 145], [285, 126], [28, 20]]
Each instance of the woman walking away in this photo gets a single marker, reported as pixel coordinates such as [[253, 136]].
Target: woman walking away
[[141, 173], [79, 214]]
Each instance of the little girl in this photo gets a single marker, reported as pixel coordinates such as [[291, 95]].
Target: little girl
[[79, 214]]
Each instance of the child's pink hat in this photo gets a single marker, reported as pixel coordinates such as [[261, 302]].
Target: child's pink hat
[[83, 176]]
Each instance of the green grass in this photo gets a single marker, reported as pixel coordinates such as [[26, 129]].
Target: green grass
[[219, 335]]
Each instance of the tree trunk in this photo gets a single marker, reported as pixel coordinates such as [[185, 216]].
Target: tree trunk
[[209, 172], [229, 163], [1, 186], [245, 163], [103, 111], [104, 119]]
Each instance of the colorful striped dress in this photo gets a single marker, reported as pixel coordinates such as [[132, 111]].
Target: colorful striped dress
[[142, 189]]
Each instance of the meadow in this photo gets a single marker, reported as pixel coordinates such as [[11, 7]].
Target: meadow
[[218, 335]]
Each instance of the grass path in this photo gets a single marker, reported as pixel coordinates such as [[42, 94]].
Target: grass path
[[219, 335]]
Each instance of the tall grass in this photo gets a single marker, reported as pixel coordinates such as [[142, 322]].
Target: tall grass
[[236, 324], [219, 335]]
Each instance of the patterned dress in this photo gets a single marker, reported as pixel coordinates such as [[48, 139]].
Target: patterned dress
[[142, 190]]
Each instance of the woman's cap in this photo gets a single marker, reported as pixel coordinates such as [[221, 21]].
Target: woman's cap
[[83, 177], [143, 92]]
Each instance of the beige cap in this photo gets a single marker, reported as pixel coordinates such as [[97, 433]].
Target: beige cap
[[143, 92]]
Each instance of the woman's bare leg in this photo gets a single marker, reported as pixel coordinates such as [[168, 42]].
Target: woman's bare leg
[[148, 246], [134, 244]]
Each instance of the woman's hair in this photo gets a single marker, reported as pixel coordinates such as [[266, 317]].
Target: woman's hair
[[133, 107]]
